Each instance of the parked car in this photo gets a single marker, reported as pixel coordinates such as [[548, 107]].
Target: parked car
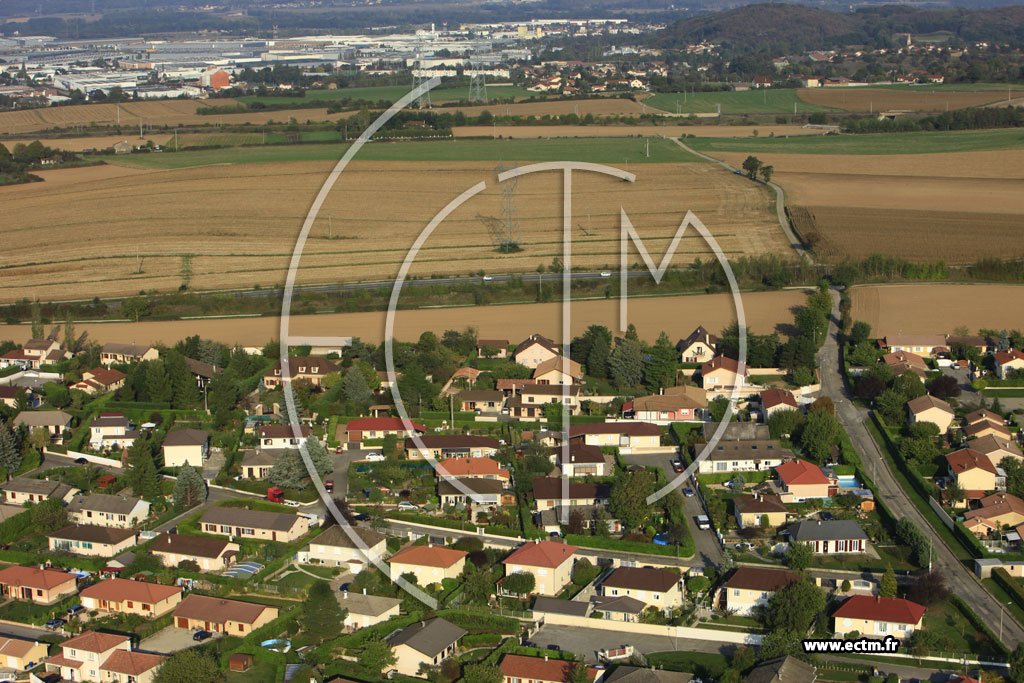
[[827, 516], [677, 466], [703, 522], [329, 485], [292, 503], [361, 517], [688, 492], [54, 624], [407, 506], [81, 461], [200, 636], [374, 457], [339, 449], [75, 610], [744, 546]]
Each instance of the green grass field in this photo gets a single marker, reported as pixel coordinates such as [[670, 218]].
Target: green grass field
[[1016, 90], [766, 101], [618, 151], [390, 93], [876, 143]]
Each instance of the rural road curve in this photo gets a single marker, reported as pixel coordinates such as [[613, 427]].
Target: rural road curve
[[780, 201], [962, 580]]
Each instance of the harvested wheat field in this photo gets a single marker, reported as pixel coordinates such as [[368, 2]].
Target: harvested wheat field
[[676, 315], [240, 223], [673, 131], [603, 106], [84, 143], [69, 176], [884, 99], [162, 113], [936, 308]]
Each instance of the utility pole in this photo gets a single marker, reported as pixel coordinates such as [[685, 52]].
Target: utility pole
[[647, 151], [175, 139], [118, 107], [330, 227]]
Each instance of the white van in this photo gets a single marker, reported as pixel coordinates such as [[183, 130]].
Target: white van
[[703, 523]]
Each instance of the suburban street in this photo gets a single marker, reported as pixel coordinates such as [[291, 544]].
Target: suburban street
[[852, 417]]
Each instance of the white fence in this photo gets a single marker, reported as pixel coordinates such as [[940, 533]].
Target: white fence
[[91, 457]]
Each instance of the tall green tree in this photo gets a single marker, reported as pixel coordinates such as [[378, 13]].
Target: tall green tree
[[189, 489], [660, 370], [795, 607], [49, 516], [355, 387], [376, 657], [627, 363], [483, 673], [158, 382], [37, 319], [141, 475], [751, 165], [799, 556], [10, 451], [321, 617], [629, 498], [222, 397], [888, 586], [820, 433]]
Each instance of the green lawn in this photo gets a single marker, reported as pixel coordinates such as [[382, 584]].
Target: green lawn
[[617, 151], [31, 613], [956, 630], [768, 101], [261, 672], [874, 143], [702, 664], [391, 93]]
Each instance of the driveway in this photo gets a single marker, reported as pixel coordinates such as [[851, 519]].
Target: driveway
[[587, 641], [171, 639], [708, 549]]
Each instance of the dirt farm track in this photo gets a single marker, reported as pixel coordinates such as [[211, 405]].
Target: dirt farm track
[[676, 315], [937, 308]]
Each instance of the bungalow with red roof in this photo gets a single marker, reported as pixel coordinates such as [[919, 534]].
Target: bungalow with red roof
[[472, 468], [800, 480], [37, 584], [974, 471], [775, 399], [100, 380], [361, 429], [95, 656], [428, 563], [1007, 361], [675, 404], [124, 596], [722, 375], [997, 511], [873, 616], [549, 562], [927, 408], [523, 669]]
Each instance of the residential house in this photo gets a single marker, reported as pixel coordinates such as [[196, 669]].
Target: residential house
[[751, 587], [126, 354], [523, 669], [472, 468], [100, 380], [905, 361], [872, 616], [363, 611], [21, 490], [537, 394], [534, 350], [335, 547], [111, 430], [485, 493], [558, 370], [744, 456], [88, 539], [783, 669], [211, 554], [256, 464], [35, 353], [550, 520], [628, 437], [424, 643], [9, 397], [20, 654], [676, 404], [220, 615], [581, 460], [190, 446], [699, 347], [986, 428], [775, 399], [37, 584], [927, 408], [202, 373], [547, 493], [102, 509], [279, 437], [107, 657], [925, 345], [800, 480], [55, 422], [428, 563], [751, 511], [643, 674], [983, 416], [512, 387], [722, 374], [246, 524], [832, 537], [497, 347], [550, 563], [974, 471], [483, 402], [984, 344], [310, 368], [1007, 361], [659, 588], [996, 511], [446, 446], [123, 596], [996, 449], [361, 429]]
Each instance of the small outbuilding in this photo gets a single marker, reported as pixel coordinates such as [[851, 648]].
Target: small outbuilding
[[240, 662]]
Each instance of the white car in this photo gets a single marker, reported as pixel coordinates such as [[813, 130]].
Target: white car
[[487, 278], [406, 505], [374, 457], [292, 503], [606, 273]]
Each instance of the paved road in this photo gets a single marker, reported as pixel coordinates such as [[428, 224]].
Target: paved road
[[708, 549], [852, 417], [23, 631]]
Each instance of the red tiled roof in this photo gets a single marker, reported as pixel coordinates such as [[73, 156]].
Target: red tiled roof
[[775, 397], [1003, 357], [94, 641], [382, 424], [34, 577], [923, 403], [541, 554], [800, 472], [470, 467], [892, 610], [538, 669], [428, 556], [131, 663], [125, 589], [720, 362], [968, 459]]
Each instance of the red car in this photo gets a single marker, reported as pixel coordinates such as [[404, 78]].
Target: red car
[[329, 485]]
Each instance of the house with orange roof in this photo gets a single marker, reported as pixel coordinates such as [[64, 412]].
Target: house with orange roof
[[905, 361], [123, 596], [21, 654], [926, 345], [927, 408], [472, 468], [94, 656], [40, 585], [520, 669], [558, 370], [997, 511], [800, 480], [874, 616], [220, 615], [550, 563], [100, 380], [722, 375], [774, 400], [428, 563], [974, 471]]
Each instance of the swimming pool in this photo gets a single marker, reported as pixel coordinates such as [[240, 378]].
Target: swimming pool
[[848, 481]]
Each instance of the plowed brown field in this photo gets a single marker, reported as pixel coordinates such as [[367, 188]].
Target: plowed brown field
[[241, 221], [937, 309], [883, 99]]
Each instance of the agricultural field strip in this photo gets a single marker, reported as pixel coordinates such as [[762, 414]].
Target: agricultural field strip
[[871, 144]]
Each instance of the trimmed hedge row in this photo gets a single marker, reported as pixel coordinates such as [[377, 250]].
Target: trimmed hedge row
[[480, 622], [1003, 578], [977, 622], [685, 550]]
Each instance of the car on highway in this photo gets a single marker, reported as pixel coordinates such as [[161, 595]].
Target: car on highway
[[677, 466], [605, 273], [374, 457], [200, 636], [487, 278], [688, 492], [54, 624]]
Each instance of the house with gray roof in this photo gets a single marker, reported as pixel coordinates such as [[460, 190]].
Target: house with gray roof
[[783, 670], [102, 509], [366, 610], [243, 524], [21, 490], [830, 537], [55, 422], [641, 674], [256, 464], [621, 608], [353, 547], [426, 642], [190, 446]]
